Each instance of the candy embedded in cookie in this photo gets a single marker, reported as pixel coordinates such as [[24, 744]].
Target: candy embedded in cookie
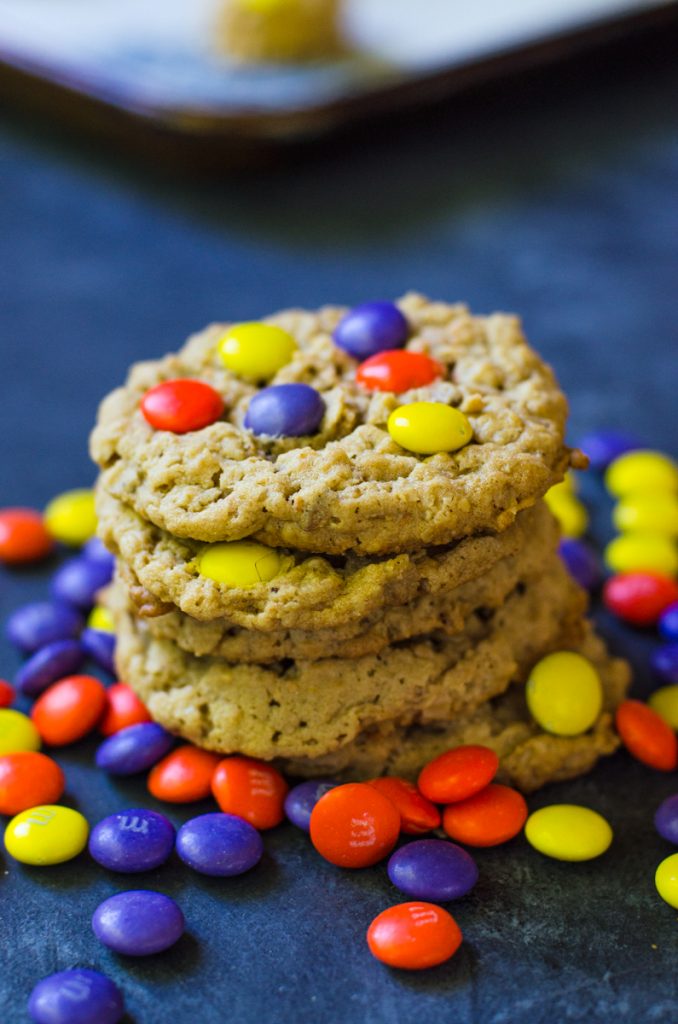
[[371, 328], [256, 351], [429, 427], [241, 563], [181, 406], [397, 370], [285, 410]]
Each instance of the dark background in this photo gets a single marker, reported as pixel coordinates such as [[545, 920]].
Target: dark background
[[552, 195]]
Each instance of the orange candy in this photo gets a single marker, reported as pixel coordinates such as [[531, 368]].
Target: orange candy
[[458, 774], [28, 779], [23, 536], [123, 708], [489, 818], [646, 736], [414, 936], [417, 814], [183, 776], [354, 825], [251, 789], [69, 709]]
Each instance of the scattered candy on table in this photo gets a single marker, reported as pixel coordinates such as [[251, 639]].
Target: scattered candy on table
[[640, 597], [604, 446], [354, 825], [666, 880], [221, 845], [239, 563], [647, 736], [569, 511], [564, 693], [429, 427], [101, 620], [70, 517], [138, 922], [458, 774], [28, 778], [583, 563], [254, 790], [23, 536], [79, 996], [302, 798], [641, 471], [69, 709], [285, 410], [665, 702], [397, 371], [99, 646], [7, 693], [256, 351], [123, 708], [417, 814], [181, 406], [668, 621], [17, 732], [49, 663], [666, 819], [642, 552], [183, 776], [568, 832], [489, 818], [45, 835], [35, 625], [370, 328], [647, 513], [133, 840], [413, 936], [665, 664], [96, 551], [78, 581], [433, 869], [134, 749]]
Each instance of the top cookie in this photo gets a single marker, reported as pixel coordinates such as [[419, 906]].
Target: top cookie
[[346, 484]]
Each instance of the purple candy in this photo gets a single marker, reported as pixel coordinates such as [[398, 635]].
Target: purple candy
[[78, 581], [285, 410], [34, 625], [583, 564], [76, 997], [603, 446], [100, 647], [52, 662], [219, 844], [433, 869], [370, 328], [665, 663], [668, 622], [301, 800], [138, 923], [96, 551], [134, 749], [131, 841], [666, 819]]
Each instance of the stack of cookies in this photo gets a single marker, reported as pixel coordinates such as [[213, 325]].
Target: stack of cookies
[[331, 545]]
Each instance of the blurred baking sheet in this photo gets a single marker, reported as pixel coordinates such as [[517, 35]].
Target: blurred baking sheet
[[157, 60]]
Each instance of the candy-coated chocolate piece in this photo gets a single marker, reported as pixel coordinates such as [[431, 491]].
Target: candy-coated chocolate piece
[[252, 789], [221, 845], [429, 427], [583, 563], [665, 663], [301, 800], [489, 818], [640, 597], [603, 446], [564, 693], [668, 621], [46, 834], [642, 552], [414, 936], [370, 328], [96, 551], [646, 735], [183, 776], [138, 922], [458, 773], [433, 869], [17, 732], [27, 779], [23, 536], [51, 662], [666, 880], [34, 625], [79, 996], [69, 709], [569, 511], [239, 563], [568, 832], [256, 351], [99, 647], [7, 693], [123, 708], [665, 702], [641, 471], [666, 819], [134, 749], [398, 370], [101, 619], [354, 826], [78, 581], [417, 814], [71, 518], [132, 840], [285, 410], [647, 513], [181, 406]]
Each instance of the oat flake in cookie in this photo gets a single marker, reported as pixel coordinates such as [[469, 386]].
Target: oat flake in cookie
[[348, 486]]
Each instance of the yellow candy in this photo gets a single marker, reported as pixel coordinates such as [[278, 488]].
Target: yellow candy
[[642, 552], [70, 517], [640, 472], [100, 618], [666, 880], [568, 510], [665, 702], [429, 427], [568, 832], [47, 834], [240, 563], [256, 351], [567, 486], [17, 732], [647, 513], [564, 693]]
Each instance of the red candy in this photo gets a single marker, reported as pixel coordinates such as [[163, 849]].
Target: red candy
[[28, 779], [354, 826], [23, 536], [182, 405], [69, 709], [398, 370], [414, 936], [251, 789], [123, 708], [640, 597], [646, 736], [417, 814], [458, 774], [489, 818], [184, 775], [6, 693]]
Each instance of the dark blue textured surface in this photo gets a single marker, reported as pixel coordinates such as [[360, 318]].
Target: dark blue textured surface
[[552, 198]]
